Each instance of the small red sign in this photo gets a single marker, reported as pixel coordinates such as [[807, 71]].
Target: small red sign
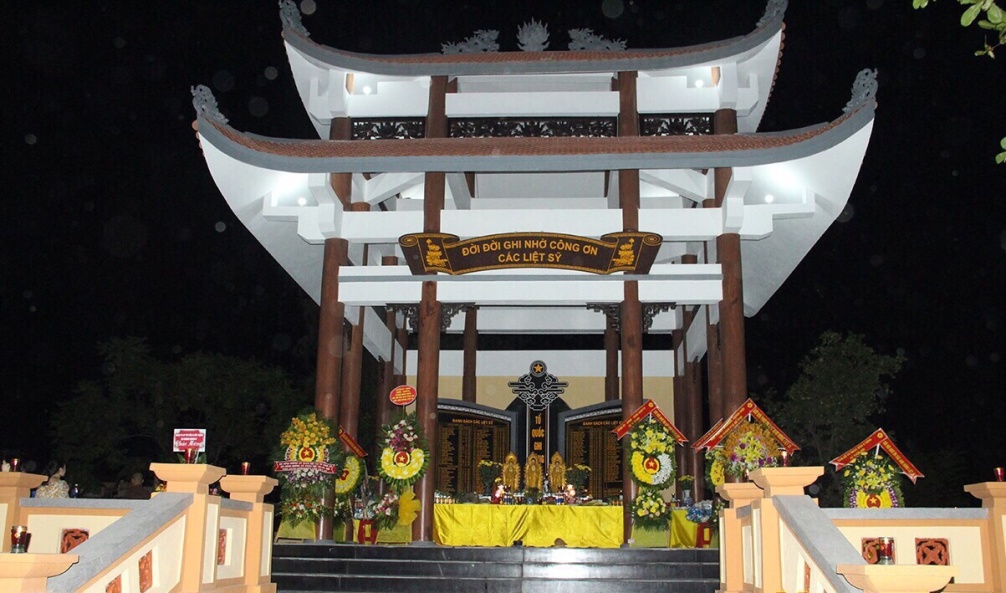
[[189, 438], [403, 395], [351, 444]]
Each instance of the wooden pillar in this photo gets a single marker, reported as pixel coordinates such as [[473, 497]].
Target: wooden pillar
[[728, 252], [610, 361], [428, 363], [693, 425], [352, 364], [328, 378], [342, 183], [469, 379], [680, 398], [714, 353], [386, 365], [631, 321]]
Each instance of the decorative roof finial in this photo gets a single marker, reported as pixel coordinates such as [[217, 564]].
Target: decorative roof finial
[[864, 90], [585, 40], [206, 104], [532, 36], [774, 9], [290, 15], [484, 40]]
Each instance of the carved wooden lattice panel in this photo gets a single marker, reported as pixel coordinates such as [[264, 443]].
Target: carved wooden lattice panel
[[71, 538], [146, 571], [115, 585], [932, 550], [221, 547]]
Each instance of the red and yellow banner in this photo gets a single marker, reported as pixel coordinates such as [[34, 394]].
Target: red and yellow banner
[[880, 439], [648, 408], [701, 443], [748, 408], [351, 444], [289, 466]]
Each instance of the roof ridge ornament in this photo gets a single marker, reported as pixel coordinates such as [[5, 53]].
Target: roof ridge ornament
[[290, 15], [206, 104], [864, 90], [586, 40], [532, 36], [773, 10], [484, 40]]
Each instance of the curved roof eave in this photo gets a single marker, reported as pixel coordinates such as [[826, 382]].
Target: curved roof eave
[[547, 62], [532, 154]]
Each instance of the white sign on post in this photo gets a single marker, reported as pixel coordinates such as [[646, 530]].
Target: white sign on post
[[189, 438]]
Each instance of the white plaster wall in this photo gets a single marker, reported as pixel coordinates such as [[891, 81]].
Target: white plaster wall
[[237, 542], [965, 545], [47, 530]]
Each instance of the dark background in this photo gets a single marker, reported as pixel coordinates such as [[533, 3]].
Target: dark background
[[113, 226]]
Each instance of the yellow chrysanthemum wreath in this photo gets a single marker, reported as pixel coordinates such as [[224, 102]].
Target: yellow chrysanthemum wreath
[[403, 459], [349, 479], [651, 454], [306, 460]]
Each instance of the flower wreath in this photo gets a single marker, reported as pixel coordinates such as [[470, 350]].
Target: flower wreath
[[649, 511], [651, 454], [715, 468], [748, 447], [351, 476], [404, 458], [306, 461], [872, 481]]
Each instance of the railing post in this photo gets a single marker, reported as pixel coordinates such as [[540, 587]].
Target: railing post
[[27, 573], [776, 481], [201, 519], [731, 541], [258, 549], [993, 497], [904, 578], [13, 487]]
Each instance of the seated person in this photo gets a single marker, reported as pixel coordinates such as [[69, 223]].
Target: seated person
[[136, 489], [55, 486]]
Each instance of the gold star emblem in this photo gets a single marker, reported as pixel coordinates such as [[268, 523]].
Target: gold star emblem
[[538, 368]]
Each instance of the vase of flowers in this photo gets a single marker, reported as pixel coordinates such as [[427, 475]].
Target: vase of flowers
[[686, 482], [577, 475], [651, 518], [489, 472]]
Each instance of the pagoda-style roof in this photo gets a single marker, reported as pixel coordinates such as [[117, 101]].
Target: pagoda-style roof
[[532, 62], [736, 73]]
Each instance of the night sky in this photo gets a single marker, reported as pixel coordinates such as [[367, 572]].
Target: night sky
[[115, 228]]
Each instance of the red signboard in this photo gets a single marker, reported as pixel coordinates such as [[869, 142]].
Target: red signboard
[[189, 438], [679, 436], [403, 395], [641, 412], [747, 409]]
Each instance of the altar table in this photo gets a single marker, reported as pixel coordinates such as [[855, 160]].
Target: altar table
[[533, 525], [542, 525]]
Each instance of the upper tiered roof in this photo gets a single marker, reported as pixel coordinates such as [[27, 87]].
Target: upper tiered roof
[[786, 188]]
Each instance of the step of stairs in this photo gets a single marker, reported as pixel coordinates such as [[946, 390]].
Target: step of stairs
[[300, 568]]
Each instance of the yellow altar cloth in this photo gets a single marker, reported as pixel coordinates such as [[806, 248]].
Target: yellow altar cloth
[[534, 525], [684, 533]]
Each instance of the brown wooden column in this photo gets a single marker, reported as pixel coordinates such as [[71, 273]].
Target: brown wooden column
[[386, 366], [469, 378], [352, 364], [610, 361], [328, 378], [680, 399], [693, 424], [714, 353], [428, 363], [631, 319], [342, 183], [728, 252]]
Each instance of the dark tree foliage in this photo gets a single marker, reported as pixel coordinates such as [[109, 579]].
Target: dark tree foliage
[[121, 423]]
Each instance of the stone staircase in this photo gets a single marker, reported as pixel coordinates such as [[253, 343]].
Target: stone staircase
[[298, 568]]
